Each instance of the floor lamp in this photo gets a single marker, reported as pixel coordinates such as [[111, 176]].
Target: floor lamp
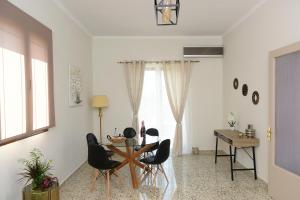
[[100, 101]]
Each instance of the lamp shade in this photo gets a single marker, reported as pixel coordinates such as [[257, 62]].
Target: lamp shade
[[100, 101]]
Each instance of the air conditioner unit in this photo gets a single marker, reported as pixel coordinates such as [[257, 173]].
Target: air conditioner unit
[[203, 52]]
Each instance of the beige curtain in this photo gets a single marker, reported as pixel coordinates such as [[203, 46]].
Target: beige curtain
[[134, 72], [177, 78]]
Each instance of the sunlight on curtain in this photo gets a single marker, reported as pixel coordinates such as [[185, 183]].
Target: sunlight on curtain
[[155, 109]]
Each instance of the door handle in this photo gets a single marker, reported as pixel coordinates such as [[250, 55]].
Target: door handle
[[269, 134]]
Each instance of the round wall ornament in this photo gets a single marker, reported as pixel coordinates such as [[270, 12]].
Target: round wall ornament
[[255, 97], [245, 90], [235, 83]]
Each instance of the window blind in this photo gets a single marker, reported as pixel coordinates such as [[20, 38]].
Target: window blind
[[26, 75]]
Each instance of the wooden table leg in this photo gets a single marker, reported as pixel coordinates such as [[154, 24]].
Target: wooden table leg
[[123, 163], [130, 159], [139, 164], [134, 179]]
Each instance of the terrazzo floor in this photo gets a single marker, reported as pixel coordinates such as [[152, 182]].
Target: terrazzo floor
[[191, 177]]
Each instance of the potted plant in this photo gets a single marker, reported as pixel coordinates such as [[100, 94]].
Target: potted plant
[[231, 120], [37, 172]]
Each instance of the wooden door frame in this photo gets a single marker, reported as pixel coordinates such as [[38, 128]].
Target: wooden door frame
[[295, 47]]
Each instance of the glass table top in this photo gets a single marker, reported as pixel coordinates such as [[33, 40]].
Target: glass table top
[[132, 142]]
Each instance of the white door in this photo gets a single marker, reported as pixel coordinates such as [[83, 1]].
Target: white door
[[284, 133]]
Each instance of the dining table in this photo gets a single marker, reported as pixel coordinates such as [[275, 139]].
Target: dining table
[[130, 156]]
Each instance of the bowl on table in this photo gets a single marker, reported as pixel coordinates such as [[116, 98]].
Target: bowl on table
[[116, 139]]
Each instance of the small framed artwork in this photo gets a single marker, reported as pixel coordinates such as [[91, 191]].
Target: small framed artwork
[[75, 86]]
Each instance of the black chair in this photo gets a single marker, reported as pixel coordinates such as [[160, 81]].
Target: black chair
[[99, 159], [129, 132], [94, 140], [153, 132], [162, 154]]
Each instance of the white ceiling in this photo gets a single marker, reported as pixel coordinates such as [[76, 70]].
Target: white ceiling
[[137, 17]]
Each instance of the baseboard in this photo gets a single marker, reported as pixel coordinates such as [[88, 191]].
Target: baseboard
[[71, 173], [208, 152]]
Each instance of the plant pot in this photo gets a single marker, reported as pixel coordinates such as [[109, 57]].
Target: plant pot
[[51, 193]]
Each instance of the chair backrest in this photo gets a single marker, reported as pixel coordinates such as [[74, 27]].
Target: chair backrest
[[129, 132], [152, 132], [163, 152], [97, 156], [91, 139]]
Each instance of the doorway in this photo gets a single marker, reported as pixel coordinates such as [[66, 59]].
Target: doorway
[[155, 109], [284, 134]]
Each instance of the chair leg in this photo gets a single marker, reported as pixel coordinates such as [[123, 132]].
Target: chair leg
[[151, 174], [116, 173], [146, 172], [154, 180], [163, 171], [108, 189], [94, 180], [142, 175]]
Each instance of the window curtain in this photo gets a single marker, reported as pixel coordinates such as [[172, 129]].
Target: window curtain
[[134, 72], [177, 78]]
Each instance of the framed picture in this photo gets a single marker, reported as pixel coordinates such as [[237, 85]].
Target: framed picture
[[75, 86]]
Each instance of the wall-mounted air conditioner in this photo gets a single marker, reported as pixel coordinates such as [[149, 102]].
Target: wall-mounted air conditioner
[[203, 52]]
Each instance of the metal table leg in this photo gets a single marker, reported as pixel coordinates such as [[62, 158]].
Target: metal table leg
[[234, 160], [231, 168], [254, 163], [216, 152]]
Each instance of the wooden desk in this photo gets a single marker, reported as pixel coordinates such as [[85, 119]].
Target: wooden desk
[[234, 140]]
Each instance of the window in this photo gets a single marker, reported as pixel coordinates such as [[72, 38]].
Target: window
[[26, 75]]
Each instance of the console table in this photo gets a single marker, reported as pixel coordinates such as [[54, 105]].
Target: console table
[[234, 139]]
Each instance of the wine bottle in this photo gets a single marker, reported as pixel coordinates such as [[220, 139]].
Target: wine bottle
[[143, 133]]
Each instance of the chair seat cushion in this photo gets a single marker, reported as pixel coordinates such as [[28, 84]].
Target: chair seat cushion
[[111, 164], [109, 153], [148, 160]]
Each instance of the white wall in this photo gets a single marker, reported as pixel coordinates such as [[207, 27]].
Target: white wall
[[65, 144], [205, 110], [272, 26]]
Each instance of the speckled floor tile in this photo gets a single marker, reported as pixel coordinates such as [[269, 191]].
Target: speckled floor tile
[[191, 177]]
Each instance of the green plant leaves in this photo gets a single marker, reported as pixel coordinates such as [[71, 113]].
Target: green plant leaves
[[36, 169]]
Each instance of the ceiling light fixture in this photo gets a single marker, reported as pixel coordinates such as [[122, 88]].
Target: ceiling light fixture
[[167, 12]]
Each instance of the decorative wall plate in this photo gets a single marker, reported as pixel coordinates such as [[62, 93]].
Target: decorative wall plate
[[255, 98], [245, 90], [235, 83]]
